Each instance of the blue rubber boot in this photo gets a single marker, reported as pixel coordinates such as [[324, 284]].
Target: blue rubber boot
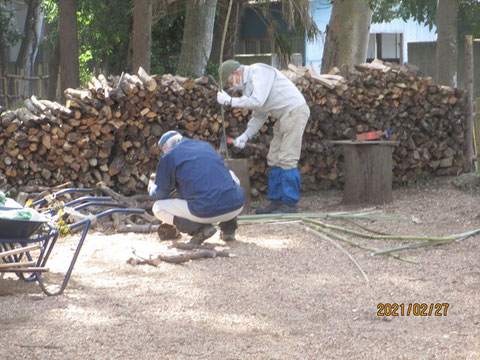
[[291, 192], [274, 191]]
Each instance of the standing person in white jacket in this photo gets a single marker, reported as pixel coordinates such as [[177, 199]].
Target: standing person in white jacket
[[266, 91]]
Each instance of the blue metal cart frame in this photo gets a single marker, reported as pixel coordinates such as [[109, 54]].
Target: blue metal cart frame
[[24, 237]]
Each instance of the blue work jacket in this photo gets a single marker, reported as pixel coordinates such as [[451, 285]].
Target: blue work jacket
[[200, 177]]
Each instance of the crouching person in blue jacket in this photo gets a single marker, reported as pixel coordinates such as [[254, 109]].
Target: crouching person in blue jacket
[[208, 191]]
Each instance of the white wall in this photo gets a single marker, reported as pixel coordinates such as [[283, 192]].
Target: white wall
[[411, 30], [320, 10]]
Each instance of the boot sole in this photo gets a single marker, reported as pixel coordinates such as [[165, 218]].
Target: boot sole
[[206, 234]]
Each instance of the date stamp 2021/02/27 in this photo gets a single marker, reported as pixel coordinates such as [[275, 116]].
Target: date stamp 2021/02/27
[[412, 309]]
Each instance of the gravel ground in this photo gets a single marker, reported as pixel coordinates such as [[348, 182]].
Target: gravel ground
[[287, 295]]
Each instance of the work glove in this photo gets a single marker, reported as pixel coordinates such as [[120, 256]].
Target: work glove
[[151, 186], [223, 98], [240, 141]]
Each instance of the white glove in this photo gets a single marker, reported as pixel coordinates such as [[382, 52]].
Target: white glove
[[240, 141], [151, 185], [223, 98]]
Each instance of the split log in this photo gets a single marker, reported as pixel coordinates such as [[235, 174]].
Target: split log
[[41, 107], [137, 201], [117, 93], [147, 228], [174, 259], [149, 82], [210, 247]]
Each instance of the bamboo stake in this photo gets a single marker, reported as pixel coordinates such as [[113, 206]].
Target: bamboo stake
[[360, 246], [323, 236], [457, 237], [300, 216], [410, 246], [377, 237], [366, 228], [224, 133], [466, 234]]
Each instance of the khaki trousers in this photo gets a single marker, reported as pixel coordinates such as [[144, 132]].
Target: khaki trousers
[[286, 144]]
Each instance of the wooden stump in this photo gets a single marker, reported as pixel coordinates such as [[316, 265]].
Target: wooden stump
[[368, 171], [240, 168]]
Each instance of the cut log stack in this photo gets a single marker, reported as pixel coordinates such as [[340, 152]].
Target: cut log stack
[[108, 132], [427, 119]]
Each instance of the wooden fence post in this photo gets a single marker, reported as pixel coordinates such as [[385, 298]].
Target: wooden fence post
[[5, 89], [40, 81], [476, 127], [22, 82]]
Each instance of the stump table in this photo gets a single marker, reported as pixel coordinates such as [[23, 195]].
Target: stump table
[[368, 171]]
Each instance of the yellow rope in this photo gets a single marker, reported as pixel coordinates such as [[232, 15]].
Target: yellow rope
[[63, 228], [58, 206]]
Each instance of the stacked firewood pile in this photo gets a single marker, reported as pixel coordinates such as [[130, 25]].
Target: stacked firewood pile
[[108, 132], [427, 119]]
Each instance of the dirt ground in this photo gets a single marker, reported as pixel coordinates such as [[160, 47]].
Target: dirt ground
[[287, 295]]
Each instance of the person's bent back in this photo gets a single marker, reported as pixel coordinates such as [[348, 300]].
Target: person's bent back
[[207, 191]]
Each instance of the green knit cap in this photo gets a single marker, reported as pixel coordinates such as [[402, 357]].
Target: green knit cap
[[228, 67]]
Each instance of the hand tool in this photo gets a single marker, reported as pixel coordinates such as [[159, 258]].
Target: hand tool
[[250, 145], [374, 135]]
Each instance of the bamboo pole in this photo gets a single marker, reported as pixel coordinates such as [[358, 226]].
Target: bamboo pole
[[410, 246], [300, 216], [360, 246], [323, 236], [366, 228], [476, 127], [469, 107], [224, 132], [379, 237]]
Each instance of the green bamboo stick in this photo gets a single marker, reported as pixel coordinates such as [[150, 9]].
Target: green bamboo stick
[[466, 234], [341, 249], [367, 217], [361, 246], [410, 246], [273, 221], [300, 216], [379, 237], [224, 35], [367, 228]]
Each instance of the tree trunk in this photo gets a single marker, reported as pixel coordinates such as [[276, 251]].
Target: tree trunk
[[27, 30], [69, 48], [53, 68], [197, 37], [347, 34], [447, 23], [142, 35], [29, 46], [3, 57]]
